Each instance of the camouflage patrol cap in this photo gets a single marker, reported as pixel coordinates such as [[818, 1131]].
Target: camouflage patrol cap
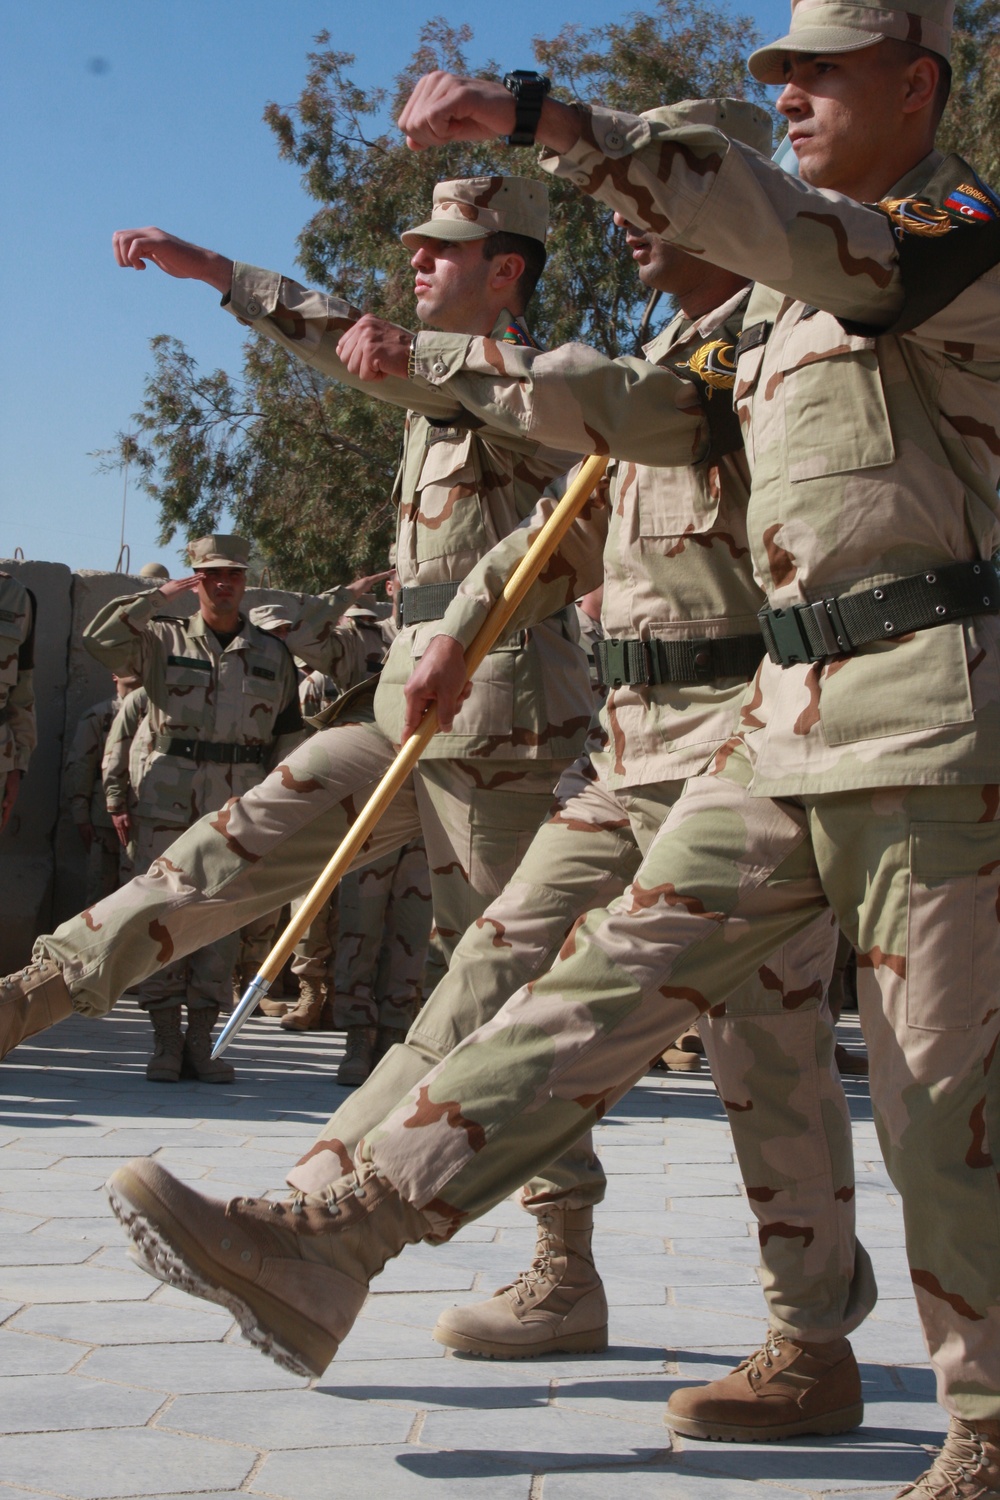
[[153, 570], [840, 26], [472, 208], [219, 552], [272, 616], [740, 120]]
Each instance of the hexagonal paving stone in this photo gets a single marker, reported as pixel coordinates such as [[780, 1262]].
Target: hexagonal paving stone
[[286, 1419], [54, 1403], [106, 1465]]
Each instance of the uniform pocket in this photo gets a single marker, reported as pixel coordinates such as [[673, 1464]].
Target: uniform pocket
[[953, 923], [675, 502], [897, 687], [447, 515], [187, 682], [836, 420]]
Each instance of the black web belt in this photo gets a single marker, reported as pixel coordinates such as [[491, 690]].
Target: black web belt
[[841, 623], [200, 750], [634, 662], [427, 601]]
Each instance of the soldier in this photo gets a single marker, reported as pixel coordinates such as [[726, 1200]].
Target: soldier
[[681, 638], [385, 928], [18, 729], [861, 774], [84, 786], [222, 702], [482, 790], [126, 755]]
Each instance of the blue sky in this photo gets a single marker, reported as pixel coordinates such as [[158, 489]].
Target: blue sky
[[115, 116]]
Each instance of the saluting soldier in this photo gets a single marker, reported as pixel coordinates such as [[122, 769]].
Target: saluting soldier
[[18, 728], [223, 704]]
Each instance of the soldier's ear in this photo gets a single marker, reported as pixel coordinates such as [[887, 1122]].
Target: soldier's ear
[[506, 270]]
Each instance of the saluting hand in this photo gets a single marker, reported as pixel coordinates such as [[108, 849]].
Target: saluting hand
[[134, 247], [444, 107], [174, 586], [371, 349]]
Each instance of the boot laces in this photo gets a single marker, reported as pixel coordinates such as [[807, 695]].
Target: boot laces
[[539, 1271], [961, 1459], [762, 1359]]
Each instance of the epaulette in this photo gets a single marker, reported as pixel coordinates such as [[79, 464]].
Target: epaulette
[[946, 237]]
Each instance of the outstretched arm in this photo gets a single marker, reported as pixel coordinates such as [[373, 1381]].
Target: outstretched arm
[[134, 247]]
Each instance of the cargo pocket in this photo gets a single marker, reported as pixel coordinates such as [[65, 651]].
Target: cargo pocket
[[836, 420], [448, 514], [187, 683], [674, 503], [953, 923]]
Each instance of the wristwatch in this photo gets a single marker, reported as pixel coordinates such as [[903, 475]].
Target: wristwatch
[[529, 90]]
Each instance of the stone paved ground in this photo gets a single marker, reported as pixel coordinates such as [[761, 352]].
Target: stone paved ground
[[112, 1385]]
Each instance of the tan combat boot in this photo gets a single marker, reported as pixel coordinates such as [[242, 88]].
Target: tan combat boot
[[308, 1010], [295, 1274], [782, 1391], [198, 1061], [31, 1001], [359, 1053], [168, 1050], [685, 1054], [557, 1306], [242, 976], [967, 1468]]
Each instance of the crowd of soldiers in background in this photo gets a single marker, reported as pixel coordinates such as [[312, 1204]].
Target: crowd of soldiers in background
[[365, 963]]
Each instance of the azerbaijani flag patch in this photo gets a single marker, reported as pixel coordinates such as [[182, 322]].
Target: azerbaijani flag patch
[[973, 201]]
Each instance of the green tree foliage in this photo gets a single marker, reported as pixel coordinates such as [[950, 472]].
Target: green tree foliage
[[304, 467], [971, 124]]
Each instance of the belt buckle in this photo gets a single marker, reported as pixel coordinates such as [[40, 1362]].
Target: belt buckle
[[784, 637], [615, 661]]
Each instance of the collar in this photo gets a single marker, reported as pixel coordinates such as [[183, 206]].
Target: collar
[[680, 329]]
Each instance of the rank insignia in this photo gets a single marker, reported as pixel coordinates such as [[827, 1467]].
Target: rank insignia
[[916, 216], [714, 364]]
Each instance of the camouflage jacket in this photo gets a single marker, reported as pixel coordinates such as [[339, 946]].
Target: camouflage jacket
[[246, 694], [18, 730], [458, 492], [676, 563], [82, 766], [872, 419], [126, 753]]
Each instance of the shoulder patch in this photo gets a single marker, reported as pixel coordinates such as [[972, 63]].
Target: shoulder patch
[[714, 364], [946, 238], [514, 333]]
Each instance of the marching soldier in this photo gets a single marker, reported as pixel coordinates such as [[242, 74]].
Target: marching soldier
[[863, 774], [482, 790]]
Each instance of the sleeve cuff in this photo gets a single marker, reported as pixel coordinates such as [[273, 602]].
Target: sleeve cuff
[[605, 135], [254, 293], [435, 357]]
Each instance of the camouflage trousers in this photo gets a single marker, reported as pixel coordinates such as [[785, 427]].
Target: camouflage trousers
[[477, 819], [913, 876], [202, 977], [107, 864], [385, 927], [794, 1145], [317, 947]]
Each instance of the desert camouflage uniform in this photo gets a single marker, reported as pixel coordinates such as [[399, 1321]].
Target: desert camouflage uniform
[[196, 692], [676, 566], [85, 796], [867, 783], [480, 791], [373, 952], [126, 753], [18, 730]]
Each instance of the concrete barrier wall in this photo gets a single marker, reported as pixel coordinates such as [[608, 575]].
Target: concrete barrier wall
[[42, 860]]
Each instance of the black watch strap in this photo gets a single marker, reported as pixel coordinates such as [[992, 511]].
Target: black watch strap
[[529, 91]]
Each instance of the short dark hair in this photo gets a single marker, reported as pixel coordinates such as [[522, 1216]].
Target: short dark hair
[[532, 252], [909, 52]]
